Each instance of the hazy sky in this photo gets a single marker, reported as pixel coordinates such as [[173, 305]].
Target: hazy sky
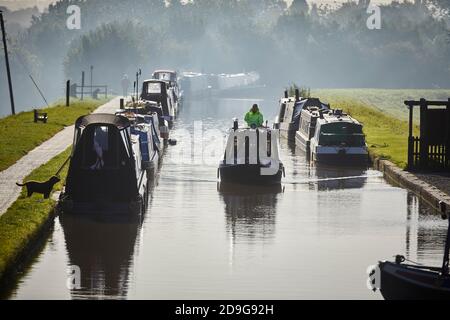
[[41, 4]]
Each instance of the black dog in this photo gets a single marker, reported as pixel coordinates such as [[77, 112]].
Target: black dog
[[44, 188]]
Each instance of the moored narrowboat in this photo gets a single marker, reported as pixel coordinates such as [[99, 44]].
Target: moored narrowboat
[[160, 92], [400, 281], [105, 172], [147, 128], [338, 140], [290, 110]]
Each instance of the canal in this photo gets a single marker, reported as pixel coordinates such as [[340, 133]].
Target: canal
[[312, 238]]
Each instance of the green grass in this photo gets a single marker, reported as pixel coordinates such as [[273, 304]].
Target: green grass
[[385, 100], [23, 220], [387, 136], [19, 134]]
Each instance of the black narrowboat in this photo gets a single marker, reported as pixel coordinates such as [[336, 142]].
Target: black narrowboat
[[105, 172]]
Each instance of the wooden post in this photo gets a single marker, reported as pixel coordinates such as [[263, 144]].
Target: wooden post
[[410, 137], [122, 104], [68, 93], [92, 89], [447, 145], [82, 84], [423, 134], [8, 71]]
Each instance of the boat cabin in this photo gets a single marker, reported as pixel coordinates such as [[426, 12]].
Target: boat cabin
[[251, 156], [160, 92], [288, 118], [338, 139], [307, 127], [165, 75]]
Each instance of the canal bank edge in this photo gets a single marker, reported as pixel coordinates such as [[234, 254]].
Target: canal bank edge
[[24, 226], [425, 191]]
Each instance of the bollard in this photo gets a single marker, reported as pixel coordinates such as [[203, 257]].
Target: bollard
[[67, 93]]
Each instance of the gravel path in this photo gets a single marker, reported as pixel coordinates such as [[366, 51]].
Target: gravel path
[[9, 191]]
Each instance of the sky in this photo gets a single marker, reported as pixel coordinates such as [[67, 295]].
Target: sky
[[42, 4]]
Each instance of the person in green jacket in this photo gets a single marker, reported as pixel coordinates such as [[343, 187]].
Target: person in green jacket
[[254, 118]]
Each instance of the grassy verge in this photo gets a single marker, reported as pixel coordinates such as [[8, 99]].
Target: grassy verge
[[389, 101], [19, 134], [387, 136], [26, 216]]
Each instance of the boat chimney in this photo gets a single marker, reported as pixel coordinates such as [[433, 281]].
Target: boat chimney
[[286, 95], [297, 95], [235, 124]]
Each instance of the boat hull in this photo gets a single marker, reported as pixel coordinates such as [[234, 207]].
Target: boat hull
[[341, 159], [406, 282], [288, 130], [302, 143], [248, 174]]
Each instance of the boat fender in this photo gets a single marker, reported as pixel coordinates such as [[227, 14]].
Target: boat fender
[[218, 173], [399, 259], [284, 173]]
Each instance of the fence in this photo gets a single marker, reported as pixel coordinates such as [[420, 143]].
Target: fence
[[430, 150]]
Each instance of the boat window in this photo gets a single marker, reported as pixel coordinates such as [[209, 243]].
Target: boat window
[[341, 128], [153, 88], [342, 134], [165, 76], [99, 151]]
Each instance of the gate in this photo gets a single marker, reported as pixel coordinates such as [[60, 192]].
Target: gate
[[430, 150]]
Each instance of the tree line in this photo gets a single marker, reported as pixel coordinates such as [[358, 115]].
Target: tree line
[[316, 46]]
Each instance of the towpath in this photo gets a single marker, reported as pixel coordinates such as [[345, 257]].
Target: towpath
[[9, 191]]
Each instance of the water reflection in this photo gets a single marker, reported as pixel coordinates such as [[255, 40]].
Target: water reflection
[[335, 178], [103, 248], [250, 210], [235, 242], [425, 232]]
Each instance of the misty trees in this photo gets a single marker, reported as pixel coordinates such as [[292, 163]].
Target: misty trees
[[313, 46], [113, 49]]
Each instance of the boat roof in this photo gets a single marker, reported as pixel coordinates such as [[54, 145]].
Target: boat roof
[[120, 122], [333, 117], [156, 81], [167, 71]]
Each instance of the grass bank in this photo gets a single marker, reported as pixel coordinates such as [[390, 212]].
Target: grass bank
[[386, 135], [389, 101], [23, 221], [19, 134]]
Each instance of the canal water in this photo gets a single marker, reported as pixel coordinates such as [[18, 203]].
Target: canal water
[[312, 238]]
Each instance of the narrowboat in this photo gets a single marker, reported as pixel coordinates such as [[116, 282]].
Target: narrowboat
[[145, 107], [171, 77], [307, 128], [288, 118], [146, 126], [105, 171], [251, 156], [399, 281], [339, 140], [160, 92]]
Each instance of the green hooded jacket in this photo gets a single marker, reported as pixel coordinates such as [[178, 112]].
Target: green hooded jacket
[[256, 118]]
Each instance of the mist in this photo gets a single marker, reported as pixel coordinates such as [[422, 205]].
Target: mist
[[312, 45]]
